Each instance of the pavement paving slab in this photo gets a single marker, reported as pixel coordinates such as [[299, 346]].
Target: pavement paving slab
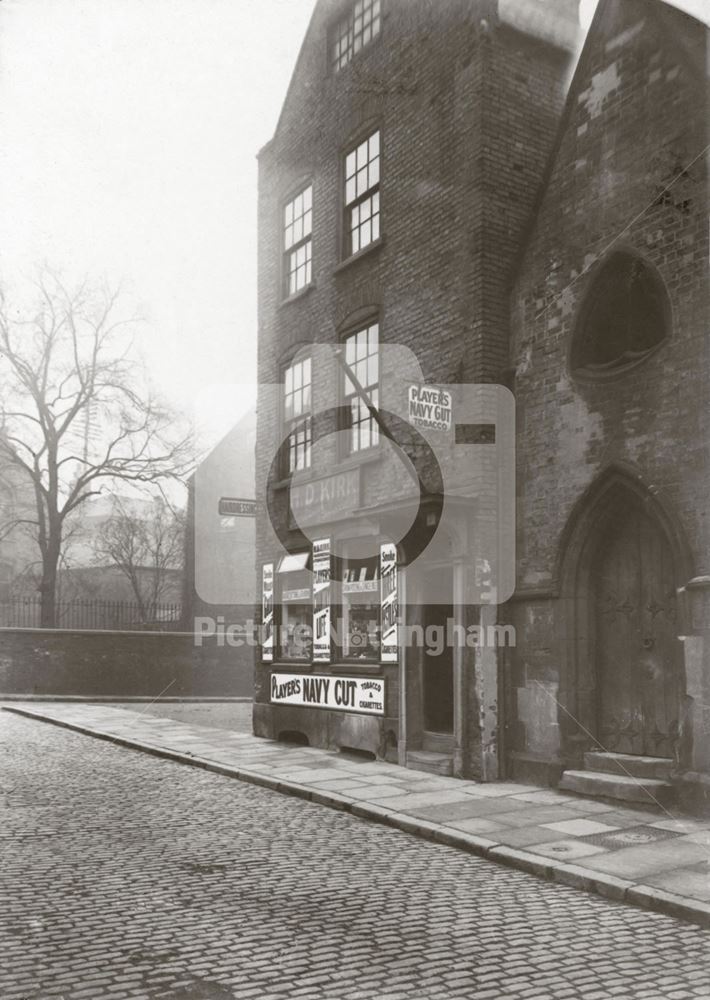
[[375, 793], [555, 834]]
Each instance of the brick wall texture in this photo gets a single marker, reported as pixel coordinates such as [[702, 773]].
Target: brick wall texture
[[629, 173], [122, 664], [464, 145], [636, 116]]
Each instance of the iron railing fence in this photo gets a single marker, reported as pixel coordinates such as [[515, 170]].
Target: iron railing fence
[[92, 613]]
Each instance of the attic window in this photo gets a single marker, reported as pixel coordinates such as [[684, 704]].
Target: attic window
[[355, 30], [624, 318]]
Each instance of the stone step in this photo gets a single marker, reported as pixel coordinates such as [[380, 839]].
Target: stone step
[[438, 742], [434, 763], [629, 765], [647, 791]]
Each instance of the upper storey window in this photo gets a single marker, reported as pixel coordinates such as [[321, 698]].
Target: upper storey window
[[623, 319], [298, 244], [362, 358], [356, 29], [297, 414], [362, 194]]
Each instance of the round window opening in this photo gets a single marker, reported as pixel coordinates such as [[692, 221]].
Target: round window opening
[[624, 318]]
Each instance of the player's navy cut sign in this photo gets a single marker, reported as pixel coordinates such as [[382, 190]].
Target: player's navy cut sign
[[346, 694], [432, 408], [236, 507]]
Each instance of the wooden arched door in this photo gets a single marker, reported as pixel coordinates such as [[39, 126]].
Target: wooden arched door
[[638, 654]]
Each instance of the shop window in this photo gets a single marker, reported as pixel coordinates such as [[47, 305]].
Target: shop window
[[361, 609], [624, 318], [359, 26], [298, 605], [298, 243], [297, 415], [362, 194], [362, 357], [295, 602]]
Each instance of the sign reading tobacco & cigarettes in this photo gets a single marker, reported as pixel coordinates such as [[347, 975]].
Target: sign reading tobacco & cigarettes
[[430, 408], [345, 694]]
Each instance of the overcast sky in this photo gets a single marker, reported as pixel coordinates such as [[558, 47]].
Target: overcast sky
[[128, 136], [129, 132]]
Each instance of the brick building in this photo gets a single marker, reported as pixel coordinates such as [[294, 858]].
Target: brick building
[[18, 549], [437, 180]]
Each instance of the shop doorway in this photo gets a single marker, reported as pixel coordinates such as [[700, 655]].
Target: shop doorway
[[438, 673]]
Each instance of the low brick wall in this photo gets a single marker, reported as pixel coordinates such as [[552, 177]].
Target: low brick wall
[[125, 664]]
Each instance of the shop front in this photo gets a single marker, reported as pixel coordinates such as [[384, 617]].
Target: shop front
[[329, 671], [355, 654], [384, 547]]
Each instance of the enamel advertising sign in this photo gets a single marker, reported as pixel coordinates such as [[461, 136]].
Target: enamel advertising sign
[[344, 694], [430, 408]]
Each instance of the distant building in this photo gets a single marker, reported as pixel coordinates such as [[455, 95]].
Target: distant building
[[19, 554], [84, 574], [441, 179], [220, 536]]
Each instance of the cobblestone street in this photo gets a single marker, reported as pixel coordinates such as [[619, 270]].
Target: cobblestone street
[[129, 876]]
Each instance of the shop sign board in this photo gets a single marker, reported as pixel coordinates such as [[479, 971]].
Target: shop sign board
[[328, 499], [365, 695], [430, 408]]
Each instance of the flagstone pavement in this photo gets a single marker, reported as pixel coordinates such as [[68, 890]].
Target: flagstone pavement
[[656, 859]]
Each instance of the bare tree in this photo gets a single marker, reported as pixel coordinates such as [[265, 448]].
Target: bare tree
[[147, 547], [77, 413]]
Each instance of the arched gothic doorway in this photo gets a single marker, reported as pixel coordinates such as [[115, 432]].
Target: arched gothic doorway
[[634, 616], [623, 560]]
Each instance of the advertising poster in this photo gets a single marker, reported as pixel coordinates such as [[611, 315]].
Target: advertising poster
[[388, 598], [346, 694], [321, 600], [267, 612]]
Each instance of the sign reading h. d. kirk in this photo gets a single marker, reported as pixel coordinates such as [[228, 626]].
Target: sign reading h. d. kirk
[[430, 408], [327, 499], [345, 694]]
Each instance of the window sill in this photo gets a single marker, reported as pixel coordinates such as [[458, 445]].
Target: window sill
[[590, 376], [370, 248], [300, 294]]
